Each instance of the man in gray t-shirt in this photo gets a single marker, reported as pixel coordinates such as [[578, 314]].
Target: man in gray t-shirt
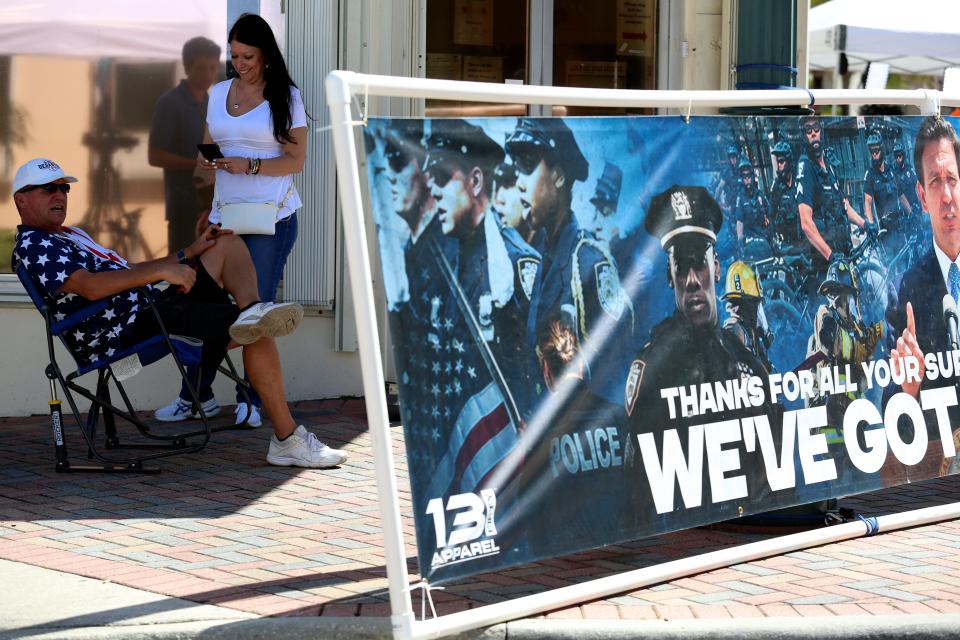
[[178, 120]]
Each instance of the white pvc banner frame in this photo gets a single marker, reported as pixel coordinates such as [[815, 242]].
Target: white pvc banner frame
[[341, 87]]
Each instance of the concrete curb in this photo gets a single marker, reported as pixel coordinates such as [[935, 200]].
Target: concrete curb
[[900, 627]]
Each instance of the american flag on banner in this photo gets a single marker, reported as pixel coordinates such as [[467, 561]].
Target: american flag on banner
[[456, 422]]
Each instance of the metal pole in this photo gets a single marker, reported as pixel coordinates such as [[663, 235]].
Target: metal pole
[[338, 99]]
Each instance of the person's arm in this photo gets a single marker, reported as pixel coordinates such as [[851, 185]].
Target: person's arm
[[810, 230], [868, 207], [94, 286], [289, 162], [164, 159], [907, 209], [163, 129], [853, 215]]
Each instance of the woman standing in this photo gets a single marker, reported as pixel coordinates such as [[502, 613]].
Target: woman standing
[[259, 122]]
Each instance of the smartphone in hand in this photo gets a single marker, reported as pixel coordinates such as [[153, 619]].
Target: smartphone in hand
[[210, 151]]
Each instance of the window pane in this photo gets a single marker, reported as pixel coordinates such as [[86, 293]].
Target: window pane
[[608, 44], [89, 107], [476, 40]]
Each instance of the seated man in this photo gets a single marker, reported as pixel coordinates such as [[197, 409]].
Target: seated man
[[71, 269]]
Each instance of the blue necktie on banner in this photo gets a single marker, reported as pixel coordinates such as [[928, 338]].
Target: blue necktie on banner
[[954, 276]]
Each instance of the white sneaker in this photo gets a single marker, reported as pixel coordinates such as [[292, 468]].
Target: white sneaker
[[180, 409], [303, 449], [241, 413], [266, 319]]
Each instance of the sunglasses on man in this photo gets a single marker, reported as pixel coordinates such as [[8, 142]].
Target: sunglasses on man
[[811, 128], [49, 188]]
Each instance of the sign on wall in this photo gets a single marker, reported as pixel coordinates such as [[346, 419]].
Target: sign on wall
[[609, 328]]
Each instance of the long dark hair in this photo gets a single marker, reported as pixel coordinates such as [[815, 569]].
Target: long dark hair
[[253, 31]]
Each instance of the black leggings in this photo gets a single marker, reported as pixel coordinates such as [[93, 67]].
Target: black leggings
[[205, 313]]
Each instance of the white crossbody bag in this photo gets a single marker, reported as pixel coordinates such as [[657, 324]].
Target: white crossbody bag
[[254, 218]]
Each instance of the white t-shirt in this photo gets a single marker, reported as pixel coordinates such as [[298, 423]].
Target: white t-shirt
[[251, 136]]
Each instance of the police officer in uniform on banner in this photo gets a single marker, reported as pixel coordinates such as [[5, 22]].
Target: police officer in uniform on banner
[[729, 182], [907, 183], [496, 270], [580, 275], [605, 199], [881, 196], [823, 208], [688, 348], [415, 311], [413, 202], [751, 210], [783, 201], [506, 200]]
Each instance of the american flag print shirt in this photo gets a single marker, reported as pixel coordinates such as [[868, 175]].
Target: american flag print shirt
[[50, 258]]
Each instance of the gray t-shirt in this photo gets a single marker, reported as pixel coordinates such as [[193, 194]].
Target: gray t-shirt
[[177, 127]]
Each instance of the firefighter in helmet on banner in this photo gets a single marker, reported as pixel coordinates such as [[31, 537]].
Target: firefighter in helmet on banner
[[744, 298], [839, 344]]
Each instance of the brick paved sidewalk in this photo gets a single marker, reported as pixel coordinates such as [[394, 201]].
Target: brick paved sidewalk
[[223, 527]]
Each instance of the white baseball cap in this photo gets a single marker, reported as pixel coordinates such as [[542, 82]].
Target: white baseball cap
[[38, 171]]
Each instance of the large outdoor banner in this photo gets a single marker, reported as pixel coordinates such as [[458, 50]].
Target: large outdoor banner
[[608, 328]]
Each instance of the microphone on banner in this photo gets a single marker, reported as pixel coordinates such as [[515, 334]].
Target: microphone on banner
[[951, 318]]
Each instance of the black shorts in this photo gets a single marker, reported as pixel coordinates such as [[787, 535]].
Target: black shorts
[[205, 313]]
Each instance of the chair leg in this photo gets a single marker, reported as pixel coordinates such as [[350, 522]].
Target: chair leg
[[112, 441], [56, 422], [60, 448]]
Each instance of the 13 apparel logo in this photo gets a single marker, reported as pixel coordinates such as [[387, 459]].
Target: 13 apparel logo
[[471, 533]]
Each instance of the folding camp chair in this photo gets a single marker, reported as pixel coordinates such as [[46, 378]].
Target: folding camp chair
[[185, 352]]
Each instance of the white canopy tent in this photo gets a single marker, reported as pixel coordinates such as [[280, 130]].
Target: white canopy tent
[[919, 37], [108, 28]]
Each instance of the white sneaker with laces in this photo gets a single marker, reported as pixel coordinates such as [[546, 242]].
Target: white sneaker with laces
[[241, 412], [303, 449], [180, 409], [266, 319]]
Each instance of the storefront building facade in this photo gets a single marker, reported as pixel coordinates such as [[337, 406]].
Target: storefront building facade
[[86, 98]]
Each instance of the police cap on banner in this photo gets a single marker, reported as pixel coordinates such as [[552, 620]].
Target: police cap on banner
[[732, 151], [608, 186], [898, 147], [403, 142], [873, 140], [683, 210], [551, 138], [465, 144], [505, 173], [745, 165]]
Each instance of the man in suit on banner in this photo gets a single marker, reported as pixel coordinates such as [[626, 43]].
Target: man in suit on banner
[[921, 320]]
